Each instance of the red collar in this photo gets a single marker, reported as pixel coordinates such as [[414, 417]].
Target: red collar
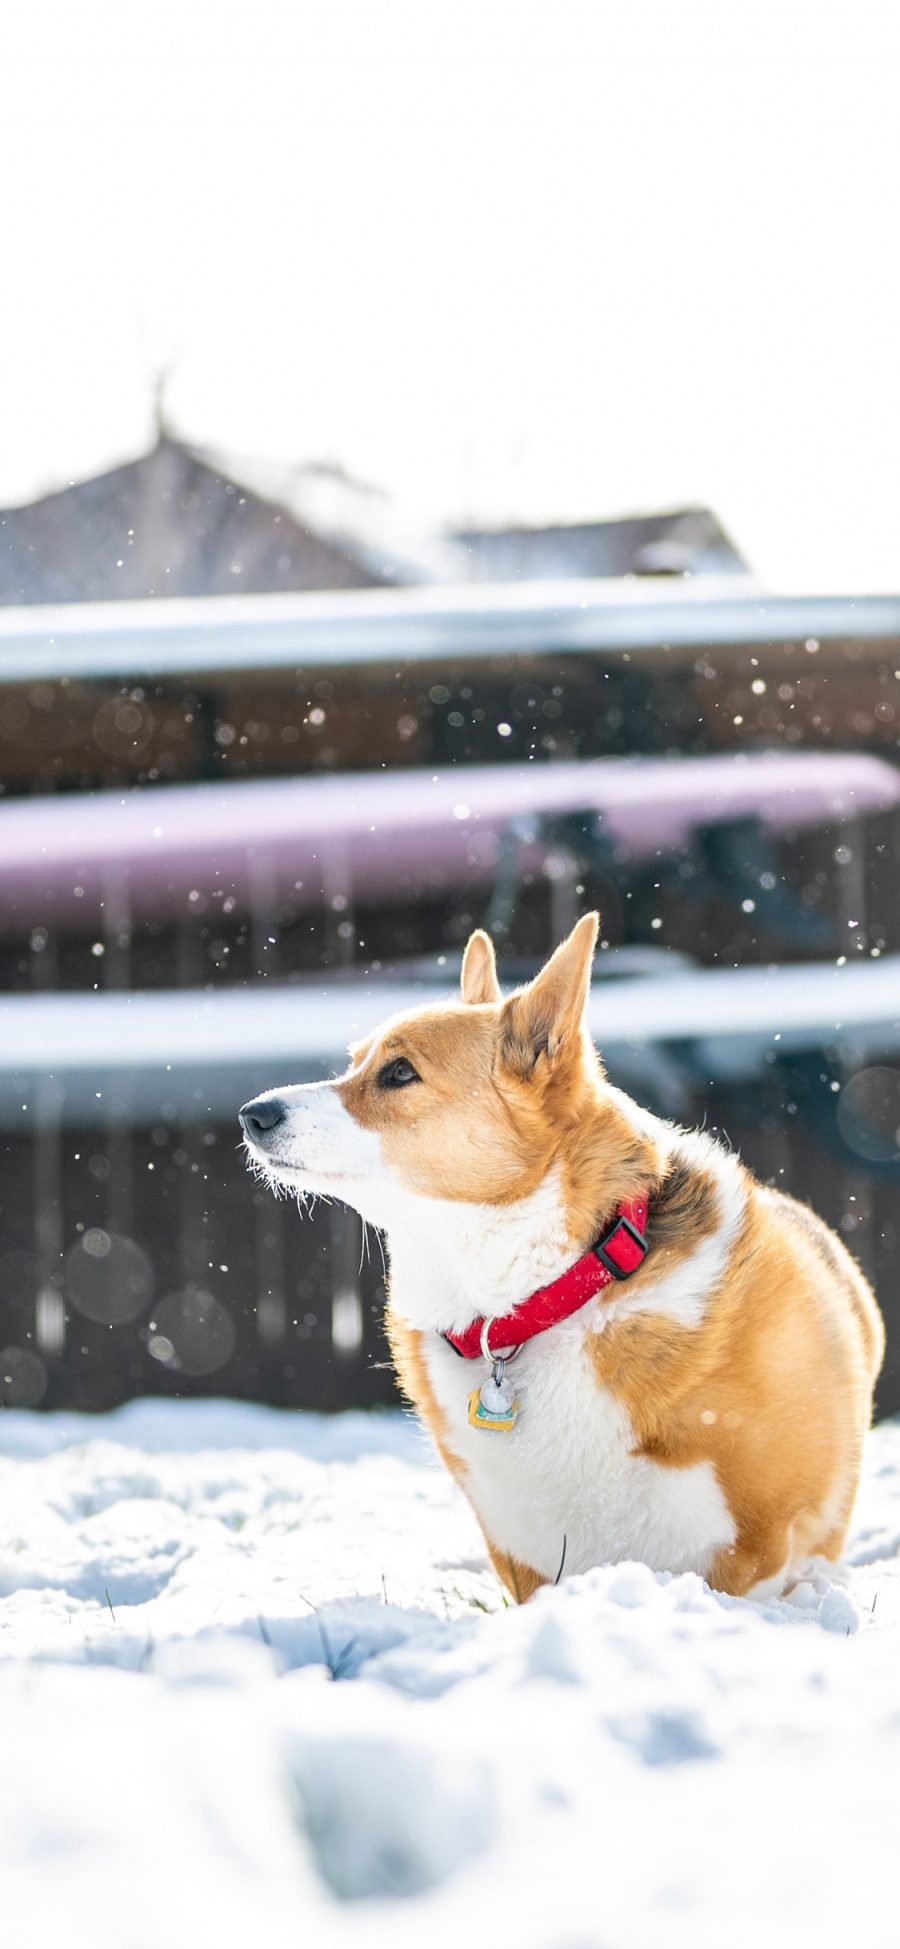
[[619, 1251]]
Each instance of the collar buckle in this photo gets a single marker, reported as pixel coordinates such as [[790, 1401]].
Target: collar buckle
[[631, 1249]]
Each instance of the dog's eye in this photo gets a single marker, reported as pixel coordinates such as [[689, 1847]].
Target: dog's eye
[[395, 1075]]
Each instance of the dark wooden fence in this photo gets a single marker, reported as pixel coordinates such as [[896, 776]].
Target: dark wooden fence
[[145, 1259]]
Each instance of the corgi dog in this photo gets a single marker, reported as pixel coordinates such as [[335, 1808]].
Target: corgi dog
[[622, 1344]]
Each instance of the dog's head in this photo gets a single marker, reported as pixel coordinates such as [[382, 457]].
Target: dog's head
[[470, 1101]]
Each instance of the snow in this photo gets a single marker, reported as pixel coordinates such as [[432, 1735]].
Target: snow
[[258, 1682]]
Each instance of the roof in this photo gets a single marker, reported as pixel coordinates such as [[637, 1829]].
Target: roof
[[167, 524], [178, 521], [688, 541]]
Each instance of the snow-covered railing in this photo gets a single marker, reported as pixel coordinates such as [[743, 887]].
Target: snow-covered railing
[[381, 831], [160, 638], [199, 1050]]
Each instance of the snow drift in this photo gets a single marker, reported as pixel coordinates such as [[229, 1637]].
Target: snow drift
[[258, 1683]]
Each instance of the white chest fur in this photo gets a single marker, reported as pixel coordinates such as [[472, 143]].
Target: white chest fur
[[566, 1475]]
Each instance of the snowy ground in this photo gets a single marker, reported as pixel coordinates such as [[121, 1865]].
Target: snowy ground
[[258, 1685]]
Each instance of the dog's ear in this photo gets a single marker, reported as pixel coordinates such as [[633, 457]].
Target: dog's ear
[[547, 1016], [479, 970]]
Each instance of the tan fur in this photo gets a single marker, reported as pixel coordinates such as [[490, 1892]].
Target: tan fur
[[412, 1374], [773, 1388], [520, 1580], [478, 976]]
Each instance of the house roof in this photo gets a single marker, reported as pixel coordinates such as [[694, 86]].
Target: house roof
[[179, 522], [167, 524], [685, 541]]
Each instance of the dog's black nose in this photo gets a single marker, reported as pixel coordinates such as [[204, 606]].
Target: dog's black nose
[[262, 1115]]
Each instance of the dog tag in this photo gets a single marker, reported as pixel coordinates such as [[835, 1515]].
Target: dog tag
[[492, 1405], [499, 1422]]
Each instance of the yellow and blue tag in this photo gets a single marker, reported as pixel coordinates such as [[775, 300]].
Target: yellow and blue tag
[[496, 1421]]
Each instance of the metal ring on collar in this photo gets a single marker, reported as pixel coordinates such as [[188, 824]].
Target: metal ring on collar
[[487, 1355], [506, 1354]]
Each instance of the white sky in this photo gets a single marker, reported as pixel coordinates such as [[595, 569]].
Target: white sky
[[509, 260]]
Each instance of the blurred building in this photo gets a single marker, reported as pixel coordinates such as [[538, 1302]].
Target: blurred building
[[688, 541], [178, 522], [170, 523]]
